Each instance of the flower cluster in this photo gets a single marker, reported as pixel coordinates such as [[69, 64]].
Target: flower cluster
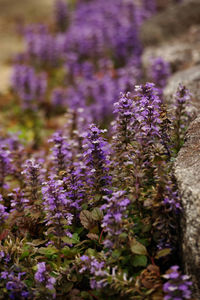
[[42, 276], [61, 15], [29, 86], [147, 112], [3, 213], [5, 165], [96, 157], [32, 173], [61, 152], [15, 286], [160, 72], [18, 200], [182, 116], [97, 207], [56, 206], [95, 268], [113, 219], [178, 286]]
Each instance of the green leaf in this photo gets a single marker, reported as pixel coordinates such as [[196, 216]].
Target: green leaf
[[67, 287], [91, 252], [116, 253], [73, 240], [162, 253], [37, 242], [139, 261], [69, 252], [26, 253], [137, 247], [48, 251], [86, 219], [97, 214]]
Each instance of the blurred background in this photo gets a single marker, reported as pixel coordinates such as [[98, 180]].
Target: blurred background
[[13, 15]]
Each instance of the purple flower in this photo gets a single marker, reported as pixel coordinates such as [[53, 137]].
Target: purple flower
[[122, 126], [177, 286], [96, 158], [58, 97], [33, 173], [147, 112], [29, 86], [40, 274], [115, 212], [5, 165], [159, 73], [182, 116], [96, 271], [75, 184], [43, 277], [3, 214], [56, 206], [18, 200], [43, 48], [61, 153], [61, 15], [14, 284]]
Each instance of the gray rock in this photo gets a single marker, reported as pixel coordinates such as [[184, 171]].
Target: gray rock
[[182, 52], [187, 172], [190, 78], [171, 22]]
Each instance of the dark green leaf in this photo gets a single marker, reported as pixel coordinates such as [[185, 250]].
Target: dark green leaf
[[137, 247], [139, 261]]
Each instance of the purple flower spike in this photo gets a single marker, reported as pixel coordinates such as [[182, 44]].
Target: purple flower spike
[[115, 212], [56, 206], [96, 157], [42, 276], [160, 71], [5, 165], [32, 173], [3, 214], [61, 15], [29, 86], [61, 152]]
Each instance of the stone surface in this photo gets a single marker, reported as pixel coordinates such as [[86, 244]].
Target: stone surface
[[189, 77], [182, 52], [187, 172], [171, 22]]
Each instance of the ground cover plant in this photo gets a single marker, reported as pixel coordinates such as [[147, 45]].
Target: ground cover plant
[[89, 206]]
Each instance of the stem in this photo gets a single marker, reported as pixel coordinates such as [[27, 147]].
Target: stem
[[101, 236]]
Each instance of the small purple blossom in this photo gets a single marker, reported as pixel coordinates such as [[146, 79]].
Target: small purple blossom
[[15, 286], [56, 206], [96, 158], [29, 86], [18, 200], [33, 174], [60, 152], [96, 270], [3, 214], [43, 277], [115, 212], [178, 286], [61, 15], [159, 73], [5, 165], [147, 112]]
